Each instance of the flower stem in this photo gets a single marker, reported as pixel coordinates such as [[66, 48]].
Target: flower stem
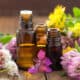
[[45, 75]]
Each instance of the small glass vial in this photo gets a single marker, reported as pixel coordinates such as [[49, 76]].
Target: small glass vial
[[41, 38], [54, 48], [41, 31], [25, 41]]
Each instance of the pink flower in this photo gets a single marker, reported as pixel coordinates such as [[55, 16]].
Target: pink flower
[[44, 68], [74, 67], [71, 64], [11, 46], [41, 54], [67, 57], [47, 61], [70, 55], [42, 63], [33, 69]]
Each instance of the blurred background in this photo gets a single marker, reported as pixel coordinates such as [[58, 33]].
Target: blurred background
[[9, 11]]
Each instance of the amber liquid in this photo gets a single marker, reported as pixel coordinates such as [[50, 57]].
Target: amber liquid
[[25, 49], [40, 38], [41, 35]]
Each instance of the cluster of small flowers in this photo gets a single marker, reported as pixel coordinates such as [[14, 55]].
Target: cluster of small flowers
[[42, 63], [6, 63], [11, 46], [71, 64]]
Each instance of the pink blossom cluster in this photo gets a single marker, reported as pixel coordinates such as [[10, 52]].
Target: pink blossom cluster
[[11, 46], [42, 63], [71, 64]]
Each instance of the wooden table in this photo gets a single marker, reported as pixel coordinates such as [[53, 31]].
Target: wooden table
[[56, 75], [50, 76]]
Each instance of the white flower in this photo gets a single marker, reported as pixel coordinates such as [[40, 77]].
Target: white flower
[[12, 68], [6, 54]]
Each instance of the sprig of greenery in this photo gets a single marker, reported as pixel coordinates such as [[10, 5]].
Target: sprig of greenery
[[72, 19], [76, 12], [5, 38], [77, 46]]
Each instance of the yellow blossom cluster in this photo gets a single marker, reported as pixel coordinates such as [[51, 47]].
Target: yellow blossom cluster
[[57, 18], [68, 49], [75, 30]]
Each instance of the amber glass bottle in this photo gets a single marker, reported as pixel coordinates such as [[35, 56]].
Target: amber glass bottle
[[25, 40], [40, 34], [54, 48], [40, 37]]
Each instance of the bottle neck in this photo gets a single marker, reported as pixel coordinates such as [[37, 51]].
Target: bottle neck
[[26, 24], [54, 39]]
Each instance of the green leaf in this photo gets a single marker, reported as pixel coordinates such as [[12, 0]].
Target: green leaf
[[77, 46], [69, 16], [62, 74], [69, 23], [76, 12], [5, 39]]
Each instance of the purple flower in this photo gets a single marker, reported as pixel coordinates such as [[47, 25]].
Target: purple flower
[[47, 61], [33, 70], [70, 55], [67, 57], [74, 67], [67, 41], [11, 46], [71, 64], [41, 54], [78, 40], [42, 63], [43, 68]]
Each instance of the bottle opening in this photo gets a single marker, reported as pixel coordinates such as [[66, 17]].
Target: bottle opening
[[25, 12], [26, 15]]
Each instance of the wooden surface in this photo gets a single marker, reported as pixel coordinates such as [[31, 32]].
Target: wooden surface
[[39, 76], [10, 24], [50, 76]]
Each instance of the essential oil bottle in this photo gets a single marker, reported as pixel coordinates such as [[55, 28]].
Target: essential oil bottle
[[54, 48], [25, 40], [40, 37]]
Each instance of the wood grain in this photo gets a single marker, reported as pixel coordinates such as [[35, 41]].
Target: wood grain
[[55, 75], [10, 24]]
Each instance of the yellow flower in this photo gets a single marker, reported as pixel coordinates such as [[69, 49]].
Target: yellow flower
[[57, 18], [27, 74], [68, 49], [59, 10], [75, 30]]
